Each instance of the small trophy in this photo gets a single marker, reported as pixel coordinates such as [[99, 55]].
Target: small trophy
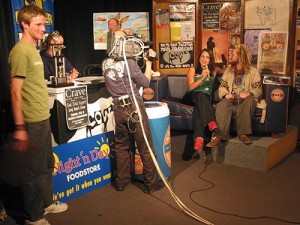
[[60, 78]]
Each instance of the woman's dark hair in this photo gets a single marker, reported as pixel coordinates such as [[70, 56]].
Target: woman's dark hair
[[211, 64]]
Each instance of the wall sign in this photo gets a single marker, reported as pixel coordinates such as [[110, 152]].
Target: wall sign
[[272, 51], [182, 22], [82, 166], [272, 15], [175, 55], [211, 16], [76, 107]]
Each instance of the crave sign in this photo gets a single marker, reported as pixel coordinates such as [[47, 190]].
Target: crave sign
[[76, 107], [211, 16]]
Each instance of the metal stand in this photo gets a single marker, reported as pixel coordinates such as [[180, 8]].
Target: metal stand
[[60, 78]]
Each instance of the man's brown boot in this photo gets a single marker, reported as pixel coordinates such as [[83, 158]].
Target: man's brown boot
[[245, 139]]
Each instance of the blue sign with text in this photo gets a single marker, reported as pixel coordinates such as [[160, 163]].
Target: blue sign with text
[[82, 166]]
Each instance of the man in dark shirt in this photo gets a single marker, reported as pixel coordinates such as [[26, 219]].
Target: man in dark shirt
[[48, 57], [118, 76]]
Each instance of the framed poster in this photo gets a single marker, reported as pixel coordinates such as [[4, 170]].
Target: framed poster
[[162, 17], [230, 17], [174, 55], [217, 42], [182, 22], [251, 40], [211, 16], [272, 51], [261, 14], [138, 22]]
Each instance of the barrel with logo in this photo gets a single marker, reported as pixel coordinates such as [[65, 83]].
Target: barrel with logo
[[159, 119]]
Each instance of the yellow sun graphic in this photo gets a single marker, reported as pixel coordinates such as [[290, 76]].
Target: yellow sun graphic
[[56, 164], [104, 147]]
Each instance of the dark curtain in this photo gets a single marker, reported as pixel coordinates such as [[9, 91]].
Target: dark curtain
[[6, 43], [74, 20]]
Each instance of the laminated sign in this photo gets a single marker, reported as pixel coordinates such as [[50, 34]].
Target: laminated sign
[[76, 107]]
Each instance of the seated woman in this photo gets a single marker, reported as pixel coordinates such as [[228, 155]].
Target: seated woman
[[200, 83]]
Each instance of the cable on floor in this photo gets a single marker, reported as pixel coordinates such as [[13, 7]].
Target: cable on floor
[[231, 214]]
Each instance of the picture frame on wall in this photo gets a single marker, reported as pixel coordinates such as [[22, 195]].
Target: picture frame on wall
[[217, 42], [138, 22], [162, 18], [175, 55], [262, 14], [221, 16], [272, 51], [221, 29], [182, 21], [251, 39], [211, 16], [230, 17]]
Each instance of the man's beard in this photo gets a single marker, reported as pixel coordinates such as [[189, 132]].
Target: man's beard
[[233, 63]]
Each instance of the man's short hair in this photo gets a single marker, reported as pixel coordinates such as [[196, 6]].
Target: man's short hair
[[28, 12]]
